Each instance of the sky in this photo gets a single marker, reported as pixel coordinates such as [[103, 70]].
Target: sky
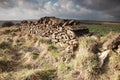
[[105, 10]]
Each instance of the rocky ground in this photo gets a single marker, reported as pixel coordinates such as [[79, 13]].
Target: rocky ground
[[26, 56]]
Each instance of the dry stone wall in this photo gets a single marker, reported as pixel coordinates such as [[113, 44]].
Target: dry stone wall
[[58, 30]]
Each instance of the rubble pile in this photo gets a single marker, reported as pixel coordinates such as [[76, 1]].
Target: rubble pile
[[58, 30]]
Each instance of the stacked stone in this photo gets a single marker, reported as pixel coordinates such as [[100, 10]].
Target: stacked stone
[[58, 30], [112, 43]]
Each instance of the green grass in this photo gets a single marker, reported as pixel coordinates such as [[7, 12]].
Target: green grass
[[103, 29]]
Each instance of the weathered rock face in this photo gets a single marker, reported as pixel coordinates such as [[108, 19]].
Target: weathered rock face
[[118, 50], [58, 30], [112, 43]]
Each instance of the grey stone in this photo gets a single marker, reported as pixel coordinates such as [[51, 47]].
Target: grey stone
[[112, 43]]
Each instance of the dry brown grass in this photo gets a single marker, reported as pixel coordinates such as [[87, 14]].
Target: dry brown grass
[[28, 57]]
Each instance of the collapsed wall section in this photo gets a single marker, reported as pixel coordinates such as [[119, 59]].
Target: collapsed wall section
[[58, 30]]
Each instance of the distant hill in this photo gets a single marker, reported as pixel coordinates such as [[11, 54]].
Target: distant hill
[[1, 22], [14, 21], [100, 22], [81, 21]]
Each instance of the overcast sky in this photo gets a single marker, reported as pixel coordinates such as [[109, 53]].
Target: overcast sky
[[73, 9]]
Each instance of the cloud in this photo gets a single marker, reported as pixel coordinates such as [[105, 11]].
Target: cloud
[[110, 7], [99, 4], [77, 9], [7, 4]]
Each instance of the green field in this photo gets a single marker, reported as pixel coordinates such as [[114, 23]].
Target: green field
[[103, 29]]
